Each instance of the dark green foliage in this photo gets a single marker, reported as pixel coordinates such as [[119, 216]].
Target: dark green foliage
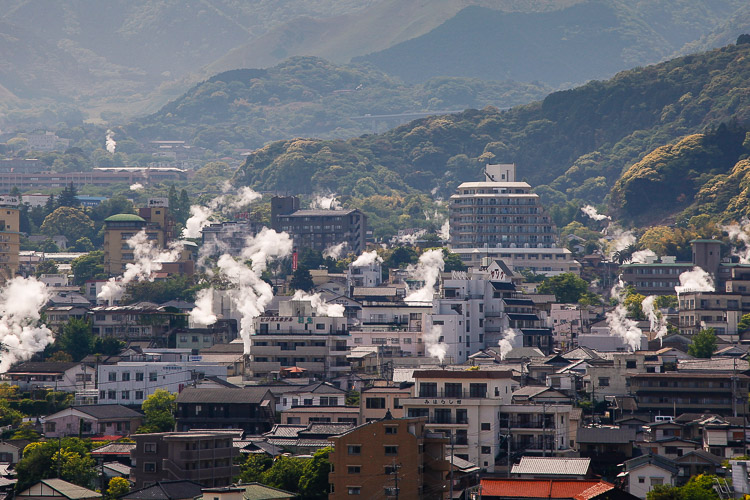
[[41, 460], [87, 267], [173, 288], [313, 483], [453, 261], [567, 287], [704, 344], [76, 339], [46, 267], [700, 487], [159, 410], [285, 473], [302, 280], [108, 346], [68, 197], [255, 465]]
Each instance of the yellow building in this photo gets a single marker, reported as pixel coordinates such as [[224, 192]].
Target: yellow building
[[10, 240], [118, 230]]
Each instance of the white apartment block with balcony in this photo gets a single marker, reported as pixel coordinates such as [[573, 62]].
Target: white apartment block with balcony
[[540, 429], [466, 406], [369, 275], [130, 382], [396, 327], [501, 218], [298, 337]]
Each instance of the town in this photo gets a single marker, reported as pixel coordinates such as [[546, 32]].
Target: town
[[465, 367]]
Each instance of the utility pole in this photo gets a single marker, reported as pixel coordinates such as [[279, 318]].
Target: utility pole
[[394, 471], [544, 429], [451, 475]]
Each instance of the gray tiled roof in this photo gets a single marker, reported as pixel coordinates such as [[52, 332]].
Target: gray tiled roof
[[608, 435], [219, 395], [552, 466], [166, 490], [108, 411], [70, 490]]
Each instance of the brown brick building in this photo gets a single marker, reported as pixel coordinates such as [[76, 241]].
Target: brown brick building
[[377, 457]]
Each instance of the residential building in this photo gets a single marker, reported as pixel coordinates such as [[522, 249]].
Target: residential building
[[48, 141], [389, 457], [57, 489], [317, 394], [59, 376], [540, 429], [303, 415], [204, 457], [606, 445], [319, 229], [383, 397], [10, 237], [303, 439], [647, 471], [246, 491], [654, 276], [465, 405], [11, 451], [568, 322], [138, 321], [91, 420], [250, 409], [500, 218], [130, 382], [718, 310], [118, 229], [299, 338]]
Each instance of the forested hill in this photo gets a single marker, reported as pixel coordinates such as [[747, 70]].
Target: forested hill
[[309, 96], [573, 145]]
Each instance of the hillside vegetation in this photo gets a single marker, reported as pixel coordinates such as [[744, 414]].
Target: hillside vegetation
[[574, 145]]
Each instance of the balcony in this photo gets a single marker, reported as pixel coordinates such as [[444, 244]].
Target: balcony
[[462, 394], [199, 475], [447, 420], [206, 454]]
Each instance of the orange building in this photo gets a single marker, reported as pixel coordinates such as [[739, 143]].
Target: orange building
[[389, 458]]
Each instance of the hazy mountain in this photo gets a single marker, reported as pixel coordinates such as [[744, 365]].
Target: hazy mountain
[[591, 40]]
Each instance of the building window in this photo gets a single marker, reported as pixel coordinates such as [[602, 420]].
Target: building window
[[354, 449], [486, 450], [138, 394], [486, 426], [375, 403], [354, 490], [126, 376], [391, 450], [353, 469], [391, 430], [428, 390], [125, 394], [603, 381], [152, 376], [641, 480], [149, 447], [112, 395], [139, 376], [112, 377], [149, 466]]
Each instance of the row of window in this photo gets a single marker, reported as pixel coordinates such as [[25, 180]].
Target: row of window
[[125, 376], [125, 395]]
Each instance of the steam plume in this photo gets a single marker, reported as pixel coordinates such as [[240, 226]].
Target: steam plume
[[322, 308], [202, 313], [110, 142], [367, 259], [428, 270], [618, 322], [738, 234], [619, 240], [696, 280], [507, 342], [136, 187], [445, 231], [642, 256], [591, 212], [435, 348], [409, 238], [21, 335], [325, 202], [655, 317], [334, 251], [200, 216]]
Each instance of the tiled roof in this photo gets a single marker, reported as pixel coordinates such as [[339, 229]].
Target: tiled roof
[[608, 435], [529, 488], [118, 467], [69, 490], [108, 411], [42, 367], [552, 465], [257, 491], [114, 449], [166, 490], [222, 395], [285, 431]]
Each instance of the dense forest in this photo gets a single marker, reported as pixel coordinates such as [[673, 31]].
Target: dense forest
[[574, 145]]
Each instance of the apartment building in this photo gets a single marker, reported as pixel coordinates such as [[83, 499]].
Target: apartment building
[[399, 458], [130, 382], [465, 406], [540, 429], [717, 310], [383, 397], [59, 376], [250, 409], [654, 276], [319, 229], [298, 337], [204, 457], [397, 328], [501, 218], [229, 236], [10, 237], [138, 321]]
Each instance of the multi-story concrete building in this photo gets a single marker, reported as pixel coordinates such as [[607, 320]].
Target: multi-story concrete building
[[398, 458], [130, 382], [59, 376], [717, 310], [464, 405], [299, 338], [383, 397], [501, 218], [319, 229], [204, 457], [229, 237], [540, 429], [139, 321], [10, 237], [655, 277], [250, 409], [118, 229]]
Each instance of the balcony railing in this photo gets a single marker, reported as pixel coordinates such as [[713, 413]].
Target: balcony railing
[[462, 394]]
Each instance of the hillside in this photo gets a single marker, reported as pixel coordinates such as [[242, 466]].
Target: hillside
[[590, 40], [311, 97], [573, 145]]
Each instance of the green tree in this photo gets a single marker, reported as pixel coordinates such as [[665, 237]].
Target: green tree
[[744, 323], [26, 431], [666, 301], [46, 267], [83, 245], [310, 258], [159, 410], [400, 256], [88, 267], [453, 261], [352, 398], [108, 346], [301, 280], [285, 473], [8, 415], [633, 303], [68, 197], [704, 344], [118, 486], [314, 480], [41, 460], [76, 339], [68, 221], [567, 287], [254, 467]]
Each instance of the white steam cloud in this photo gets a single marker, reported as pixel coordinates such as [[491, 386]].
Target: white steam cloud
[[250, 294], [428, 270], [202, 313], [445, 231], [136, 187], [642, 256], [367, 259], [409, 238], [435, 348], [200, 216], [591, 212], [109, 142], [507, 342], [334, 251], [738, 233], [618, 322], [321, 307], [618, 241], [696, 280], [325, 202], [655, 317], [21, 335]]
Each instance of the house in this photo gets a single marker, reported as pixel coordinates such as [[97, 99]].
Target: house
[[250, 409], [90, 420], [698, 462], [302, 439], [367, 459], [246, 491], [10, 451], [317, 394], [57, 489], [205, 457], [606, 445], [113, 452], [538, 395], [115, 469], [56, 375], [644, 472], [180, 489], [557, 489], [553, 468]]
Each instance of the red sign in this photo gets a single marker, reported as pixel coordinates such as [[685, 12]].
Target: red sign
[[294, 261]]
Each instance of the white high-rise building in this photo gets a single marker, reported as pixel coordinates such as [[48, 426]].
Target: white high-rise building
[[501, 218]]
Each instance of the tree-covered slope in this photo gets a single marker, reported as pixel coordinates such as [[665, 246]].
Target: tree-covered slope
[[590, 40], [311, 97], [573, 145]]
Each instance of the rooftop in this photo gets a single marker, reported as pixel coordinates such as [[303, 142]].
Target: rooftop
[[64, 488], [125, 218], [531, 488], [221, 395], [552, 466]]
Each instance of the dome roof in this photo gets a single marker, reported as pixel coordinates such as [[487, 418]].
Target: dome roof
[[124, 218]]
